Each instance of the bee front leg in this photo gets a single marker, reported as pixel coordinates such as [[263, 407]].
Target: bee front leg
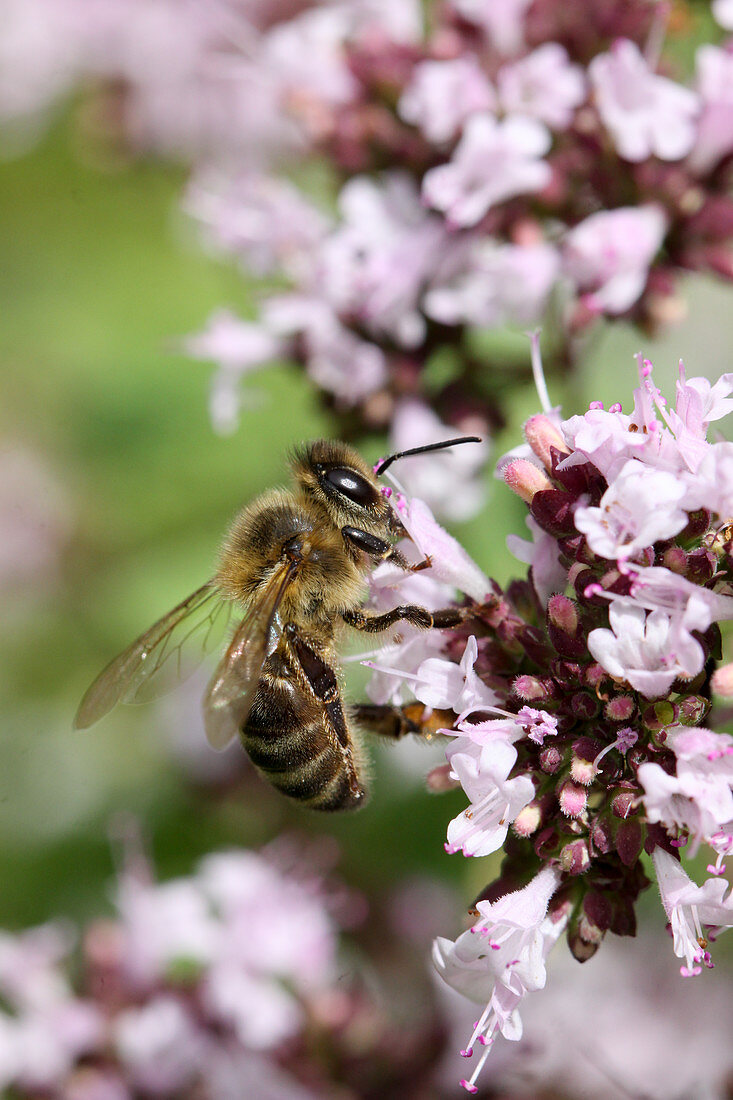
[[381, 549]]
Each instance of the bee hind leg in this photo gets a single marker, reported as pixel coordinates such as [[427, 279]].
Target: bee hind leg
[[394, 723]]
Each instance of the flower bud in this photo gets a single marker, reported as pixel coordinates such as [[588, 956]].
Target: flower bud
[[675, 559], [543, 437], [620, 708], [439, 779], [527, 820], [575, 857], [692, 709], [525, 479], [530, 688], [550, 759], [584, 706], [563, 614], [573, 799], [582, 771], [722, 681]]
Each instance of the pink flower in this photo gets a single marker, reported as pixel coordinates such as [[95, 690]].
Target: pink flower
[[689, 907], [450, 562], [692, 801], [483, 772], [544, 85], [647, 651], [645, 113], [306, 55], [442, 94], [492, 162], [501, 959], [699, 797], [445, 686], [609, 255], [640, 507]]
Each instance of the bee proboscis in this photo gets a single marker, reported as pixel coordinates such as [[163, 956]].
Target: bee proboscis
[[297, 562]]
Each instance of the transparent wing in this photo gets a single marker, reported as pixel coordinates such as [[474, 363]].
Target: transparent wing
[[232, 688], [161, 656]]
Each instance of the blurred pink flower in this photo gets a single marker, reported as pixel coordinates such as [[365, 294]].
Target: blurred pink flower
[[493, 161], [544, 84], [442, 94], [645, 113], [609, 255]]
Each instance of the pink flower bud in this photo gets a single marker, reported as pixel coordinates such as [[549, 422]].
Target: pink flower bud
[[620, 708], [722, 680], [573, 799], [529, 689], [542, 436], [582, 771], [439, 779], [525, 479], [563, 614], [527, 820]]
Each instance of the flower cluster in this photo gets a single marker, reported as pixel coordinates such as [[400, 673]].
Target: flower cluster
[[219, 984], [581, 696], [489, 164]]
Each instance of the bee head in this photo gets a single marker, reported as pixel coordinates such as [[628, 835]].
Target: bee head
[[338, 480]]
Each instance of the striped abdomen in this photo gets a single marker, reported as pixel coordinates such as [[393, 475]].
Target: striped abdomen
[[296, 733]]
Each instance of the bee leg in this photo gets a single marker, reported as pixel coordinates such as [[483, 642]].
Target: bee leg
[[380, 549], [394, 723], [372, 624]]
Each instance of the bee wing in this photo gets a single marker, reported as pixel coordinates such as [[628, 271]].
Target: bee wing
[[232, 688], [196, 624]]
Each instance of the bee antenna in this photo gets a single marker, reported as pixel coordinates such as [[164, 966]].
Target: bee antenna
[[382, 466]]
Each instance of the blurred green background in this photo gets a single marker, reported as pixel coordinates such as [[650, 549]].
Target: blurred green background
[[114, 492]]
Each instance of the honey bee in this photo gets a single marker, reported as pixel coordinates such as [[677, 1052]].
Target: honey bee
[[296, 562]]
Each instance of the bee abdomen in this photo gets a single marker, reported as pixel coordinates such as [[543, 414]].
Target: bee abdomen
[[288, 740]]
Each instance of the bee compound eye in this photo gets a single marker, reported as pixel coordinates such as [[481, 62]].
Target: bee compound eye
[[351, 485]]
